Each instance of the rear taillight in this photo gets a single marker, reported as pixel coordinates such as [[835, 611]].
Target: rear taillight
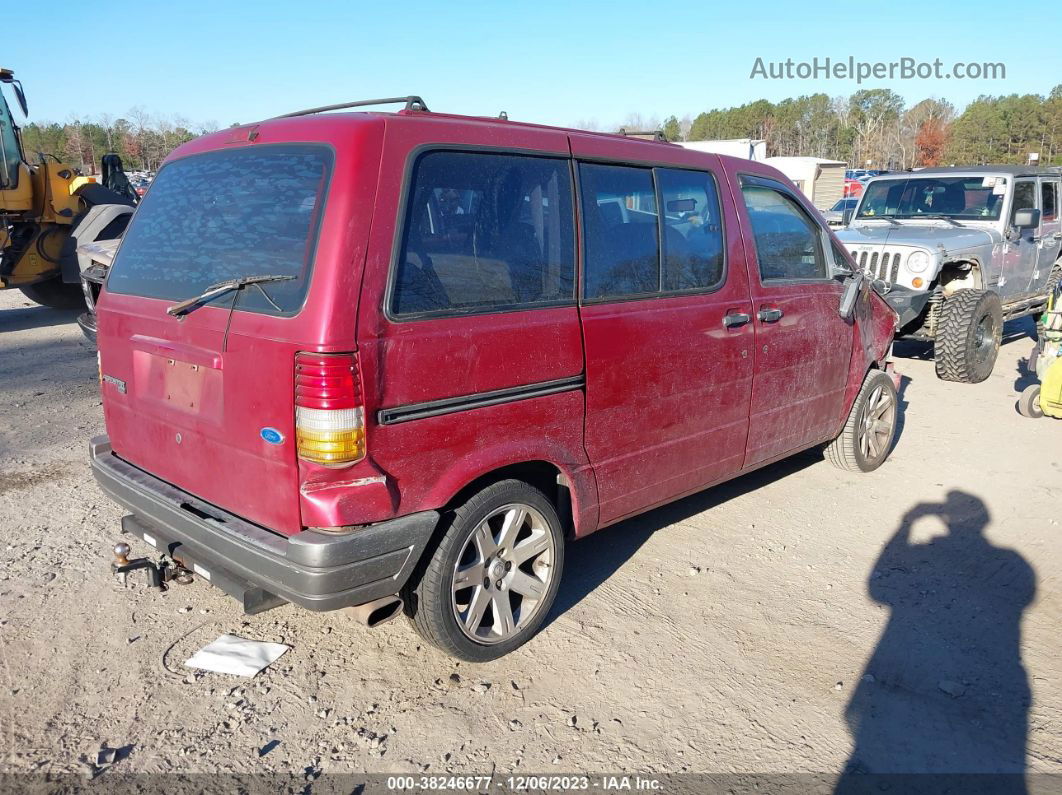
[[329, 415]]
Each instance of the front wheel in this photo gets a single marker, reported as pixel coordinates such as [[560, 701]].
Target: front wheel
[[494, 574], [866, 439], [55, 294], [968, 336]]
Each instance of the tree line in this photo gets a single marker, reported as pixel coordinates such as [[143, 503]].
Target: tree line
[[874, 128], [142, 140]]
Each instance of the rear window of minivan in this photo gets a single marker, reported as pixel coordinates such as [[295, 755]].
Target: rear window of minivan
[[221, 215], [485, 232]]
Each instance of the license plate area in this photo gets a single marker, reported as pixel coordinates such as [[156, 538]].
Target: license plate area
[[176, 385]]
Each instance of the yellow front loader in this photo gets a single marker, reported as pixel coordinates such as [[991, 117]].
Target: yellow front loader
[[46, 209]]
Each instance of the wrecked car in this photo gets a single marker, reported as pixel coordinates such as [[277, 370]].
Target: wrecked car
[[398, 362], [960, 251]]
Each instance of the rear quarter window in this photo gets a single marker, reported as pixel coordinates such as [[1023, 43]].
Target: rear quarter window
[[220, 215], [485, 232]]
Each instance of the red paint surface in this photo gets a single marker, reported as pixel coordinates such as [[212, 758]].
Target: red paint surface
[[673, 402]]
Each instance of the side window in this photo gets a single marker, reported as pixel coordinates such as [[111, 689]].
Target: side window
[[1024, 197], [788, 241], [620, 227], [1049, 200], [485, 231], [9, 158], [693, 231]]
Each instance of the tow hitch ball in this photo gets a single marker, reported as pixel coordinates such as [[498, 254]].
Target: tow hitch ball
[[158, 574]]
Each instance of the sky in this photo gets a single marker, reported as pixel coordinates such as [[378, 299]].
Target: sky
[[549, 62]]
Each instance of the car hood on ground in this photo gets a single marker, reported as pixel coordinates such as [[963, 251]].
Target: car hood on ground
[[952, 238]]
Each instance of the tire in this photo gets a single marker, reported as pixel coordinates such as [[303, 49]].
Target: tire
[[55, 294], [860, 447], [1053, 283], [1029, 403], [968, 337], [475, 542]]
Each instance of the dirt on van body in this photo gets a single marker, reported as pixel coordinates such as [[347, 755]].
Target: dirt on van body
[[798, 620]]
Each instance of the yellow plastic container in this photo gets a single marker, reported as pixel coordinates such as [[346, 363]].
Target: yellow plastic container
[[1051, 390]]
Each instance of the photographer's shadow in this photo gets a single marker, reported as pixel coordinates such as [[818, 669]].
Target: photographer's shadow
[[945, 691]]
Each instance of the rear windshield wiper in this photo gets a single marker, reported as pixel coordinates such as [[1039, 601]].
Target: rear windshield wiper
[[214, 290]]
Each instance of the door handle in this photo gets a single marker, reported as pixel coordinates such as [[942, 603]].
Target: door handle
[[734, 319], [1057, 235], [770, 315]]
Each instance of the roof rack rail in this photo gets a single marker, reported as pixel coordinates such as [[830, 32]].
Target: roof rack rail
[[412, 102], [647, 135]]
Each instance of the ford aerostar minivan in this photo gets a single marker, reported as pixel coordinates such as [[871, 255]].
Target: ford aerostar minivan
[[397, 361]]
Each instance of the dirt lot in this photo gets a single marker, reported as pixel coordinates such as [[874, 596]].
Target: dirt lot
[[798, 620]]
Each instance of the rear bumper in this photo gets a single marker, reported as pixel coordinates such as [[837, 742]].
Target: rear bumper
[[316, 570]]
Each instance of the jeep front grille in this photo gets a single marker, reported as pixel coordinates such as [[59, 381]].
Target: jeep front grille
[[884, 266]]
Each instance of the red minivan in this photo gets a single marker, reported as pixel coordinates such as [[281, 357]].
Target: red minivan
[[398, 360]]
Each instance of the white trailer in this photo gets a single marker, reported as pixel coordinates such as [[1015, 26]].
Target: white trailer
[[821, 180], [748, 148]]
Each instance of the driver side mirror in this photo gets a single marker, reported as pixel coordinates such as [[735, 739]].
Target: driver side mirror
[[846, 216], [850, 295], [1027, 218]]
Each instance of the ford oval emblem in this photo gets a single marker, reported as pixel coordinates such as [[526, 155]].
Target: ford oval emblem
[[271, 435]]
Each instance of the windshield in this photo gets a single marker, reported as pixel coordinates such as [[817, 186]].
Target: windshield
[[973, 198], [9, 154], [222, 215]]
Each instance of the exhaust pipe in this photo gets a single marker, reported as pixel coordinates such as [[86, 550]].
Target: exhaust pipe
[[379, 611]]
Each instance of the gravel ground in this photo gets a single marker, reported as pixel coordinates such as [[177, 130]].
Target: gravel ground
[[797, 620]]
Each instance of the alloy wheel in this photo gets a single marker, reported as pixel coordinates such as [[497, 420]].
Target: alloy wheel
[[503, 574], [876, 423]]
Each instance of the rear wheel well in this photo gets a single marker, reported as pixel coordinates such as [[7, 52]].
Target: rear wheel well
[[543, 475]]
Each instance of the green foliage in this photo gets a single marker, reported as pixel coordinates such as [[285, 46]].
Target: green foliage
[[142, 142], [672, 129], [870, 126], [874, 127]]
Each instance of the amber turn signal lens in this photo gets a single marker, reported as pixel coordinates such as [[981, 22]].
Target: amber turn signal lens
[[916, 282]]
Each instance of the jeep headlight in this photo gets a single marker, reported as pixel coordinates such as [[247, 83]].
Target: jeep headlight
[[918, 262]]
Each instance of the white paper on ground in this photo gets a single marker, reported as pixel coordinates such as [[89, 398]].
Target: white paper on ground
[[238, 656]]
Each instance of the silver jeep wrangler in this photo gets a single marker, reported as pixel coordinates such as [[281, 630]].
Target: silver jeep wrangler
[[960, 251]]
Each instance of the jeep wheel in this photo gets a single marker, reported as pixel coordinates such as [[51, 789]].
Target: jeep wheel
[[493, 576], [55, 294], [1029, 402], [967, 341], [866, 439]]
